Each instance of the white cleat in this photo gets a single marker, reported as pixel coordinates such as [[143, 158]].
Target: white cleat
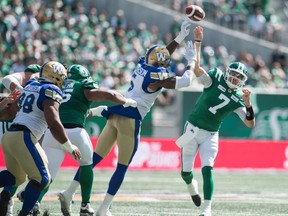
[[65, 203], [206, 210], [86, 210]]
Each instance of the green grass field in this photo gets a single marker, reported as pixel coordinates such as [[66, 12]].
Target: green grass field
[[247, 193]]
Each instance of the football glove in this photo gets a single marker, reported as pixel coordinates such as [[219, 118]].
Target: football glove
[[190, 52], [97, 111], [130, 102], [184, 31]]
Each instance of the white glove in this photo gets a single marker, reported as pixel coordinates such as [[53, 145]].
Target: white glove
[[184, 31], [190, 52], [98, 110], [130, 102]]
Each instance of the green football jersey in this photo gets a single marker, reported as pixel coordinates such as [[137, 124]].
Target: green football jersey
[[215, 103], [74, 107]]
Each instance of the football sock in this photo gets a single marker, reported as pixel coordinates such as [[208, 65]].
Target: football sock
[[117, 179], [72, 189], [6, 178], [11, 189], [33, 192], [187, 177], [96, 159], [208, 183], [86, 181], [43, 192], [107, 201]]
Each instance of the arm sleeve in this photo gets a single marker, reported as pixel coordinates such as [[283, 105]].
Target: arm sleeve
[[241, 112], [15, 78], [205, 79], [185, 80]]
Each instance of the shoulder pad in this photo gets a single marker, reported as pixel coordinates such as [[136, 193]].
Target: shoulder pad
[[54, 95]]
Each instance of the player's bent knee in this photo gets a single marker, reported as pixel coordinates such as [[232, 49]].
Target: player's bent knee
[[20, 180], [187, 177], [39, 186]]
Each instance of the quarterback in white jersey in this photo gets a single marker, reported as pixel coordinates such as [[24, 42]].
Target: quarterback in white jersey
[[38, 109], [124, 123]]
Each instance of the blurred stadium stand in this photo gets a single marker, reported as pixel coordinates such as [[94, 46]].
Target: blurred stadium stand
[[108, 36]]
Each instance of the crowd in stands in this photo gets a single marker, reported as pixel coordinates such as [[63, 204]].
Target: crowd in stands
[[35, 31]]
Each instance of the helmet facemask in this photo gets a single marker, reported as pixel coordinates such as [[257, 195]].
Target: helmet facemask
[[236, 75], [157, 56]]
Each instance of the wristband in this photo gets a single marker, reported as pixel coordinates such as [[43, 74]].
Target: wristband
[[68, 146], [249, 113], [198, 41]]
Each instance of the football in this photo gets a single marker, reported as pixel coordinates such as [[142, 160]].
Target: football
[[195, 13]]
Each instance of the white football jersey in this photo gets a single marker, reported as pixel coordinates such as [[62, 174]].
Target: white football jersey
[[142, 76], [30, 113]]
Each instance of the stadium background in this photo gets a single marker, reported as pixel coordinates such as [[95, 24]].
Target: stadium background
[[108, 37]]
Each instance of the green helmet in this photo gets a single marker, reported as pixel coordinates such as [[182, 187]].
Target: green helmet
[[236, 75], [77, 72], [33, 68]]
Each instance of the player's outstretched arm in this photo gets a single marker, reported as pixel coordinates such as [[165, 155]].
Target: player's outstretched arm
[[180, 37], [108, 95], [13, 81]]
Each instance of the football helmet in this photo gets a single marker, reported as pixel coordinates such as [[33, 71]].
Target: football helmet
[[236, 75], [33, 68], [157, 56], [77, 72], [53, 72]]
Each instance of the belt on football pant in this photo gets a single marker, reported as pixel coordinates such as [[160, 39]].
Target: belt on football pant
[[18, 127]]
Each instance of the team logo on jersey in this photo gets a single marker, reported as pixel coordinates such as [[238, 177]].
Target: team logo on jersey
[[158, 75]]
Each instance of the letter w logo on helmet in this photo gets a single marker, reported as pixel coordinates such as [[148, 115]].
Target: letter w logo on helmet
[[57, 68], [161, 56]]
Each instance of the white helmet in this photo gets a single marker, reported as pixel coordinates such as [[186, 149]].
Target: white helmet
[[236, 75]]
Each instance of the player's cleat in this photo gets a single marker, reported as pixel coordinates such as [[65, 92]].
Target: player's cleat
[[20, 195], [4, 202], [206, 211], [36, 209], [86, 209], [46, 213], [10, 207], [193, 190], [25, 214], [103, 212], [196, 200], [65, 204]]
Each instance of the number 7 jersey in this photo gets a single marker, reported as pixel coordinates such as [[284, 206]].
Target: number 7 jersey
[[215, 103]]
